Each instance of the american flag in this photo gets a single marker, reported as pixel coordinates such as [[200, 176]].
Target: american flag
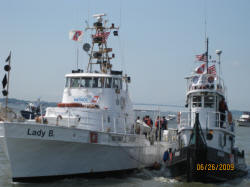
[[202, 57], [212, 70], [104, 35]]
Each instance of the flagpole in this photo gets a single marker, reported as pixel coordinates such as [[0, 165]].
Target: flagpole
[[77, 54], [6, 99], [207, 55]]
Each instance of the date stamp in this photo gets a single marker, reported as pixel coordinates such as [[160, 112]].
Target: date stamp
[[215, 167]]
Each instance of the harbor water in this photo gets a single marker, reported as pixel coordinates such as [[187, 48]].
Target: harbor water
[[143, 177]]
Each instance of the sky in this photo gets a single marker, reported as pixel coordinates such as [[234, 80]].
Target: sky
[[157, 44]]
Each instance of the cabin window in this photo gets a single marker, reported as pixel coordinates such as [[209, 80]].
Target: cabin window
[[209, 101], [196, 101], [86, 82], [98, 82], [67, 82], [74, 82], [108, 82]]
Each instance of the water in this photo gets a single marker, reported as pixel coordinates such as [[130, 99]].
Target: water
[[143, 178]]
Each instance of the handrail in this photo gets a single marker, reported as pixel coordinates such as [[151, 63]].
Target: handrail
[[212, 117], [202, 82]]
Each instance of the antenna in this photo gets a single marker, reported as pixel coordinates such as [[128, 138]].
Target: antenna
[[205, 18], [87, 24], [219, 52], [207, 54]]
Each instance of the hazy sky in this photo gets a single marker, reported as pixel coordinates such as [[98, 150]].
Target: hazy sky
[[157, 44]]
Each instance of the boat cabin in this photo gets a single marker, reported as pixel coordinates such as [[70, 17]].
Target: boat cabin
[[204, 94]]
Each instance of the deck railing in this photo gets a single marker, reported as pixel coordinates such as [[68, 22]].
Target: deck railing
[[212, 120], [205, 82]]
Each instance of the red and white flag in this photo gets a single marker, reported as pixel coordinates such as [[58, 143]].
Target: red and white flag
[[200, 69], [76, 35], [104, 36], [212, 70]]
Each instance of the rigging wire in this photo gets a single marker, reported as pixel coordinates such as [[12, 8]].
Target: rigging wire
[[205, 20], [121, 47], [88, 9]]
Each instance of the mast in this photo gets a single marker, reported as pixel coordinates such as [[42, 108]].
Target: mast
[[99, 53], [4, 82], [207, 54]]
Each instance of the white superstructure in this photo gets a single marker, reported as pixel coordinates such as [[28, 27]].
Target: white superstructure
[[204, 94]]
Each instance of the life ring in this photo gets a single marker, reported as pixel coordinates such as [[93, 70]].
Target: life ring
[[210, 79], [179, 117], [229, 117]]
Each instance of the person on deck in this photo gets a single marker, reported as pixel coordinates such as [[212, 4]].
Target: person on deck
[[164, 125], [158, 124], [222, 109], [149, 121], [138, 119]]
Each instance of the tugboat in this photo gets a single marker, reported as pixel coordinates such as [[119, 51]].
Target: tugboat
[[92, 131], [206, 139]]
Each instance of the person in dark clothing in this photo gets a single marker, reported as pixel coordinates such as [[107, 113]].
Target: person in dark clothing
[[164, 125], [222, 109], [158, 128]]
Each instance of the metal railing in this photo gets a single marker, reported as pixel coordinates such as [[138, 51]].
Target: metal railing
[[205, 81], [212, 120]]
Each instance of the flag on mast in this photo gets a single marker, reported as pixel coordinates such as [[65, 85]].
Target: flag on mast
[[202, 57], [212, 70], [200, 69], [8, 58], [4, 81], [103, 35], [76, 35]]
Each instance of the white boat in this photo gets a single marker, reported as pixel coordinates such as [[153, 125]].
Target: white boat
[[244, 119], [171, 117], [92, 131], [206, 136]]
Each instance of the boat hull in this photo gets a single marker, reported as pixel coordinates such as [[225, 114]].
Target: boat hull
[[216, 167], [39, 151], [244, 123], [27, 114]]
